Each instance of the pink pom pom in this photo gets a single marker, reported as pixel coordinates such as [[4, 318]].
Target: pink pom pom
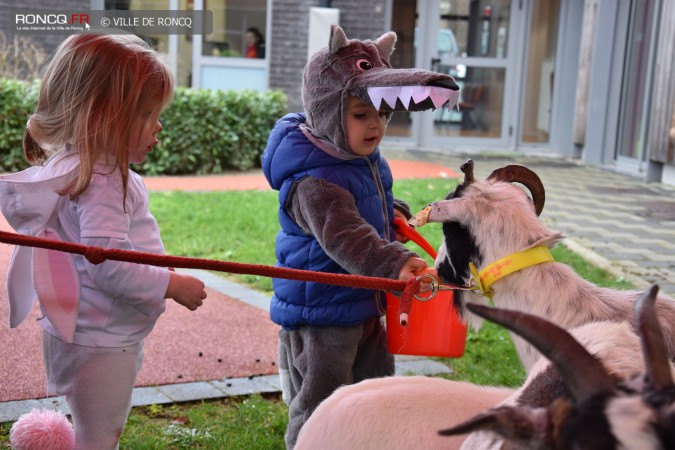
[[42, 429]]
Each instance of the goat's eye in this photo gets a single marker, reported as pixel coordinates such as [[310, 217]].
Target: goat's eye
[[363, 64]]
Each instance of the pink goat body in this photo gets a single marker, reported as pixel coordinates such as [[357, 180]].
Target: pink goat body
[[395, 413], [408, 412]]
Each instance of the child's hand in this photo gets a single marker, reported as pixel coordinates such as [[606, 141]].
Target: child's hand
[[410, 270], [411, 265], [186, 290]]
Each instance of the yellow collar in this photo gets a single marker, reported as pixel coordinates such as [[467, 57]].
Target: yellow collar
[[506, 266]]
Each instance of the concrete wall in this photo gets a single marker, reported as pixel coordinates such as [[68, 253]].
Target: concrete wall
[[288, 43]]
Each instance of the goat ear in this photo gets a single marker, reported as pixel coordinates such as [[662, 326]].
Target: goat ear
[[548, 241], [523, 426]]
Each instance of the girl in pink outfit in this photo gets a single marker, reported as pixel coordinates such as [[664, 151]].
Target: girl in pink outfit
[[97, 112]]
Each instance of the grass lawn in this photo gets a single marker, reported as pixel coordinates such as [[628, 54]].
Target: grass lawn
[[241, 226]]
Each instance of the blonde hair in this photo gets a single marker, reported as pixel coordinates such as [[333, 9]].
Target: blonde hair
[[92, 91]]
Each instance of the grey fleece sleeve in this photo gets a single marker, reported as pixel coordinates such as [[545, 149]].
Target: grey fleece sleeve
[[328, 212]]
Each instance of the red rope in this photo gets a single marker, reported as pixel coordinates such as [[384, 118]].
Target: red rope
[[97, 255]]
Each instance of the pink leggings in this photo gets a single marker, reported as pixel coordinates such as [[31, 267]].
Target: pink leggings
[[97, 383]]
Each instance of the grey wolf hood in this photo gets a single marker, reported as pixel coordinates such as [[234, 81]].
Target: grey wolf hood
[[361, 69]]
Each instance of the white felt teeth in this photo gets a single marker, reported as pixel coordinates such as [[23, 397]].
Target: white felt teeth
[[438, 95]]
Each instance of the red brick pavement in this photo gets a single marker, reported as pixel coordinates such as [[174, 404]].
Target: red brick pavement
[[224, 338], [255, 179]]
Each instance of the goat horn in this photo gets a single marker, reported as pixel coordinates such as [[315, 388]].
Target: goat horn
[[584, 375], [523, 175], [653, 344], [467, 170]]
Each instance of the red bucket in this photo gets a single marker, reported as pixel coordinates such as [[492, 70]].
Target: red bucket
[[434, 326]]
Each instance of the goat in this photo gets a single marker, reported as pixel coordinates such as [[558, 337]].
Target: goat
[[401, 412], [485, 221], [576, 402], [405, 412]]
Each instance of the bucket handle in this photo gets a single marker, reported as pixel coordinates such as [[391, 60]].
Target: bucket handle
[[402, 227]]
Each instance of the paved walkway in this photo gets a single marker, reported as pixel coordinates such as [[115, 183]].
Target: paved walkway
[[228, 347]]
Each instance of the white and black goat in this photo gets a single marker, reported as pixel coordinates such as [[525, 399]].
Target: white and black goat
[[485, 221], [579, 401]]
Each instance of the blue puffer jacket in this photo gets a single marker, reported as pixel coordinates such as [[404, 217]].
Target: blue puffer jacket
[[289, 157]]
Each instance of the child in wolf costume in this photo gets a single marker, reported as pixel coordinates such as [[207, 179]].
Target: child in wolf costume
[[336, 213]]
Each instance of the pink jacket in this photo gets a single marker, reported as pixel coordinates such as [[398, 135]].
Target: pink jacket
[[109, 305]]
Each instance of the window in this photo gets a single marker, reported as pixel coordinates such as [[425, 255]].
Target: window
[[238, 29], [159, 43]]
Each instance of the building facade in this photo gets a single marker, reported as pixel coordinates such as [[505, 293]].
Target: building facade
[[586, 79]]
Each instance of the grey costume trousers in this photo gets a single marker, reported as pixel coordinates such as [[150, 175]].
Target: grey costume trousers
[[315, 361]]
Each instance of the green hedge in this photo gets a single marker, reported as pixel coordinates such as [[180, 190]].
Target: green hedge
[[17, 101], [204, 131]]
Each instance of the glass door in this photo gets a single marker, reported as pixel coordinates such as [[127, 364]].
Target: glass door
[[539, 75], [404, 23], [472, 46], [473, 41], [635, 85]]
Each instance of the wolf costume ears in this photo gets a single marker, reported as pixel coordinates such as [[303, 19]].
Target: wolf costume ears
[[384, 43], [361, 69]]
